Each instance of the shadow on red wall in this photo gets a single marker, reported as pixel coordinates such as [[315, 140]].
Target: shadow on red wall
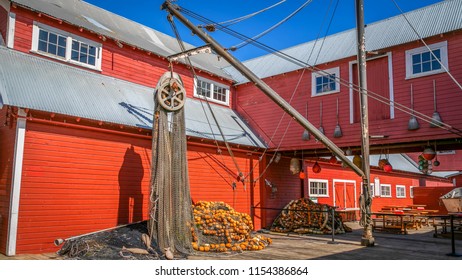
[[130, 194]]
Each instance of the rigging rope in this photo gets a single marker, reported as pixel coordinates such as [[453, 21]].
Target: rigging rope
[[239, 19], [240, 176], [293, 93], [341, 81], [235, 47]]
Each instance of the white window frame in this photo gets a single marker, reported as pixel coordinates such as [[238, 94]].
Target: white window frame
[[314, 75], [442, 46], [397, 193], [411, 191], [372, 190], [318, 181], [69, 37], [376, 187], [212, 85], [381, 190]]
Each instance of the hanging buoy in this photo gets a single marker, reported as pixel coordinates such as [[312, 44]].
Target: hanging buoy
[[302, 175], [428, 153], [316, 167], [382, 163], [436, 163], [294, 166], [277, 158], [333, 159], [388, 168]]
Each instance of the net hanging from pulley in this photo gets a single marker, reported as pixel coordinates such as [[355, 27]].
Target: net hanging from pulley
[[170, 199]]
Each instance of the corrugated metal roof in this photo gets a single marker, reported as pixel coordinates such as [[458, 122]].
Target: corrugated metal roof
[[103, 22], [36, 83], [428, 21], [400, 162]]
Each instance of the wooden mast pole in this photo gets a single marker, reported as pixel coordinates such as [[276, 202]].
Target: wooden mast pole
[[365, 198]]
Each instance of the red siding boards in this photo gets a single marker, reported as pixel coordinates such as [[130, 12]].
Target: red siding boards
[[289, 186], [76, 181], [263, 114], [429, 196], [211, 176], [7, 136], [288, 189], [3, 22]]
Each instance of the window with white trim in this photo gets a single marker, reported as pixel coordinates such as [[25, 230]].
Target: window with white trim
[[422, 62], [385, 190], [411, 191], [325, 81], [372, 190], [58, 44], [211, 90], [318, 188], [400, 191]]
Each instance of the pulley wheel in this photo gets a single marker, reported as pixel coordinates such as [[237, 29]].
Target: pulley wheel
[[171, 95]]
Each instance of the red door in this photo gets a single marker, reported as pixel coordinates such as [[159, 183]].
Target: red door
[[345, 194]]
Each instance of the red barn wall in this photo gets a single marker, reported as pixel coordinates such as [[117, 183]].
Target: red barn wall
[[211, 176], [3, 22], [263, 114], [289, 186], [429, 196], [334, 172], [7, 136], [288, 189], [79, 181], [457, 180]]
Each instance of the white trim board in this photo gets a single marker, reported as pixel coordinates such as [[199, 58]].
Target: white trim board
[[16, 183]]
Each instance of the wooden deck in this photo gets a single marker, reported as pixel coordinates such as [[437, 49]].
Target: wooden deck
[[417, 245]]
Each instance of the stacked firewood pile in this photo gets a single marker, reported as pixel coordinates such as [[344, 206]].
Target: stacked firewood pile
[[219, 228], [304, 216]]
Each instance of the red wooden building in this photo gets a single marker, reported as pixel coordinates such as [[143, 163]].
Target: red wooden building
[[76, 108]]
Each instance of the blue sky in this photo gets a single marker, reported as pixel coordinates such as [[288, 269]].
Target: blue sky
[[306, 25]]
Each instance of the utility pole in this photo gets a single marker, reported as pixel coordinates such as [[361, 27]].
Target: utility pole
[[365, 199]]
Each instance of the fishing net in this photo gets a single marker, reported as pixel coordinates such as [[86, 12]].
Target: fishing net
[[121, 243], [305, 216], [174, 222], [170, 200]]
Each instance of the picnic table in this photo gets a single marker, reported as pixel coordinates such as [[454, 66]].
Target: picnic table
[[392, 221]]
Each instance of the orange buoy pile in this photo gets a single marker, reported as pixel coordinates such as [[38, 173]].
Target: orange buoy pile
[[304, 216], [219, 228]]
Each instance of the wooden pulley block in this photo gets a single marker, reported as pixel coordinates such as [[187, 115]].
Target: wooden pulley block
[[171, 95]]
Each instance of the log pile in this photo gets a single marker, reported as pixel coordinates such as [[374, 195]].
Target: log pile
[[304, 216], [219, 228]]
